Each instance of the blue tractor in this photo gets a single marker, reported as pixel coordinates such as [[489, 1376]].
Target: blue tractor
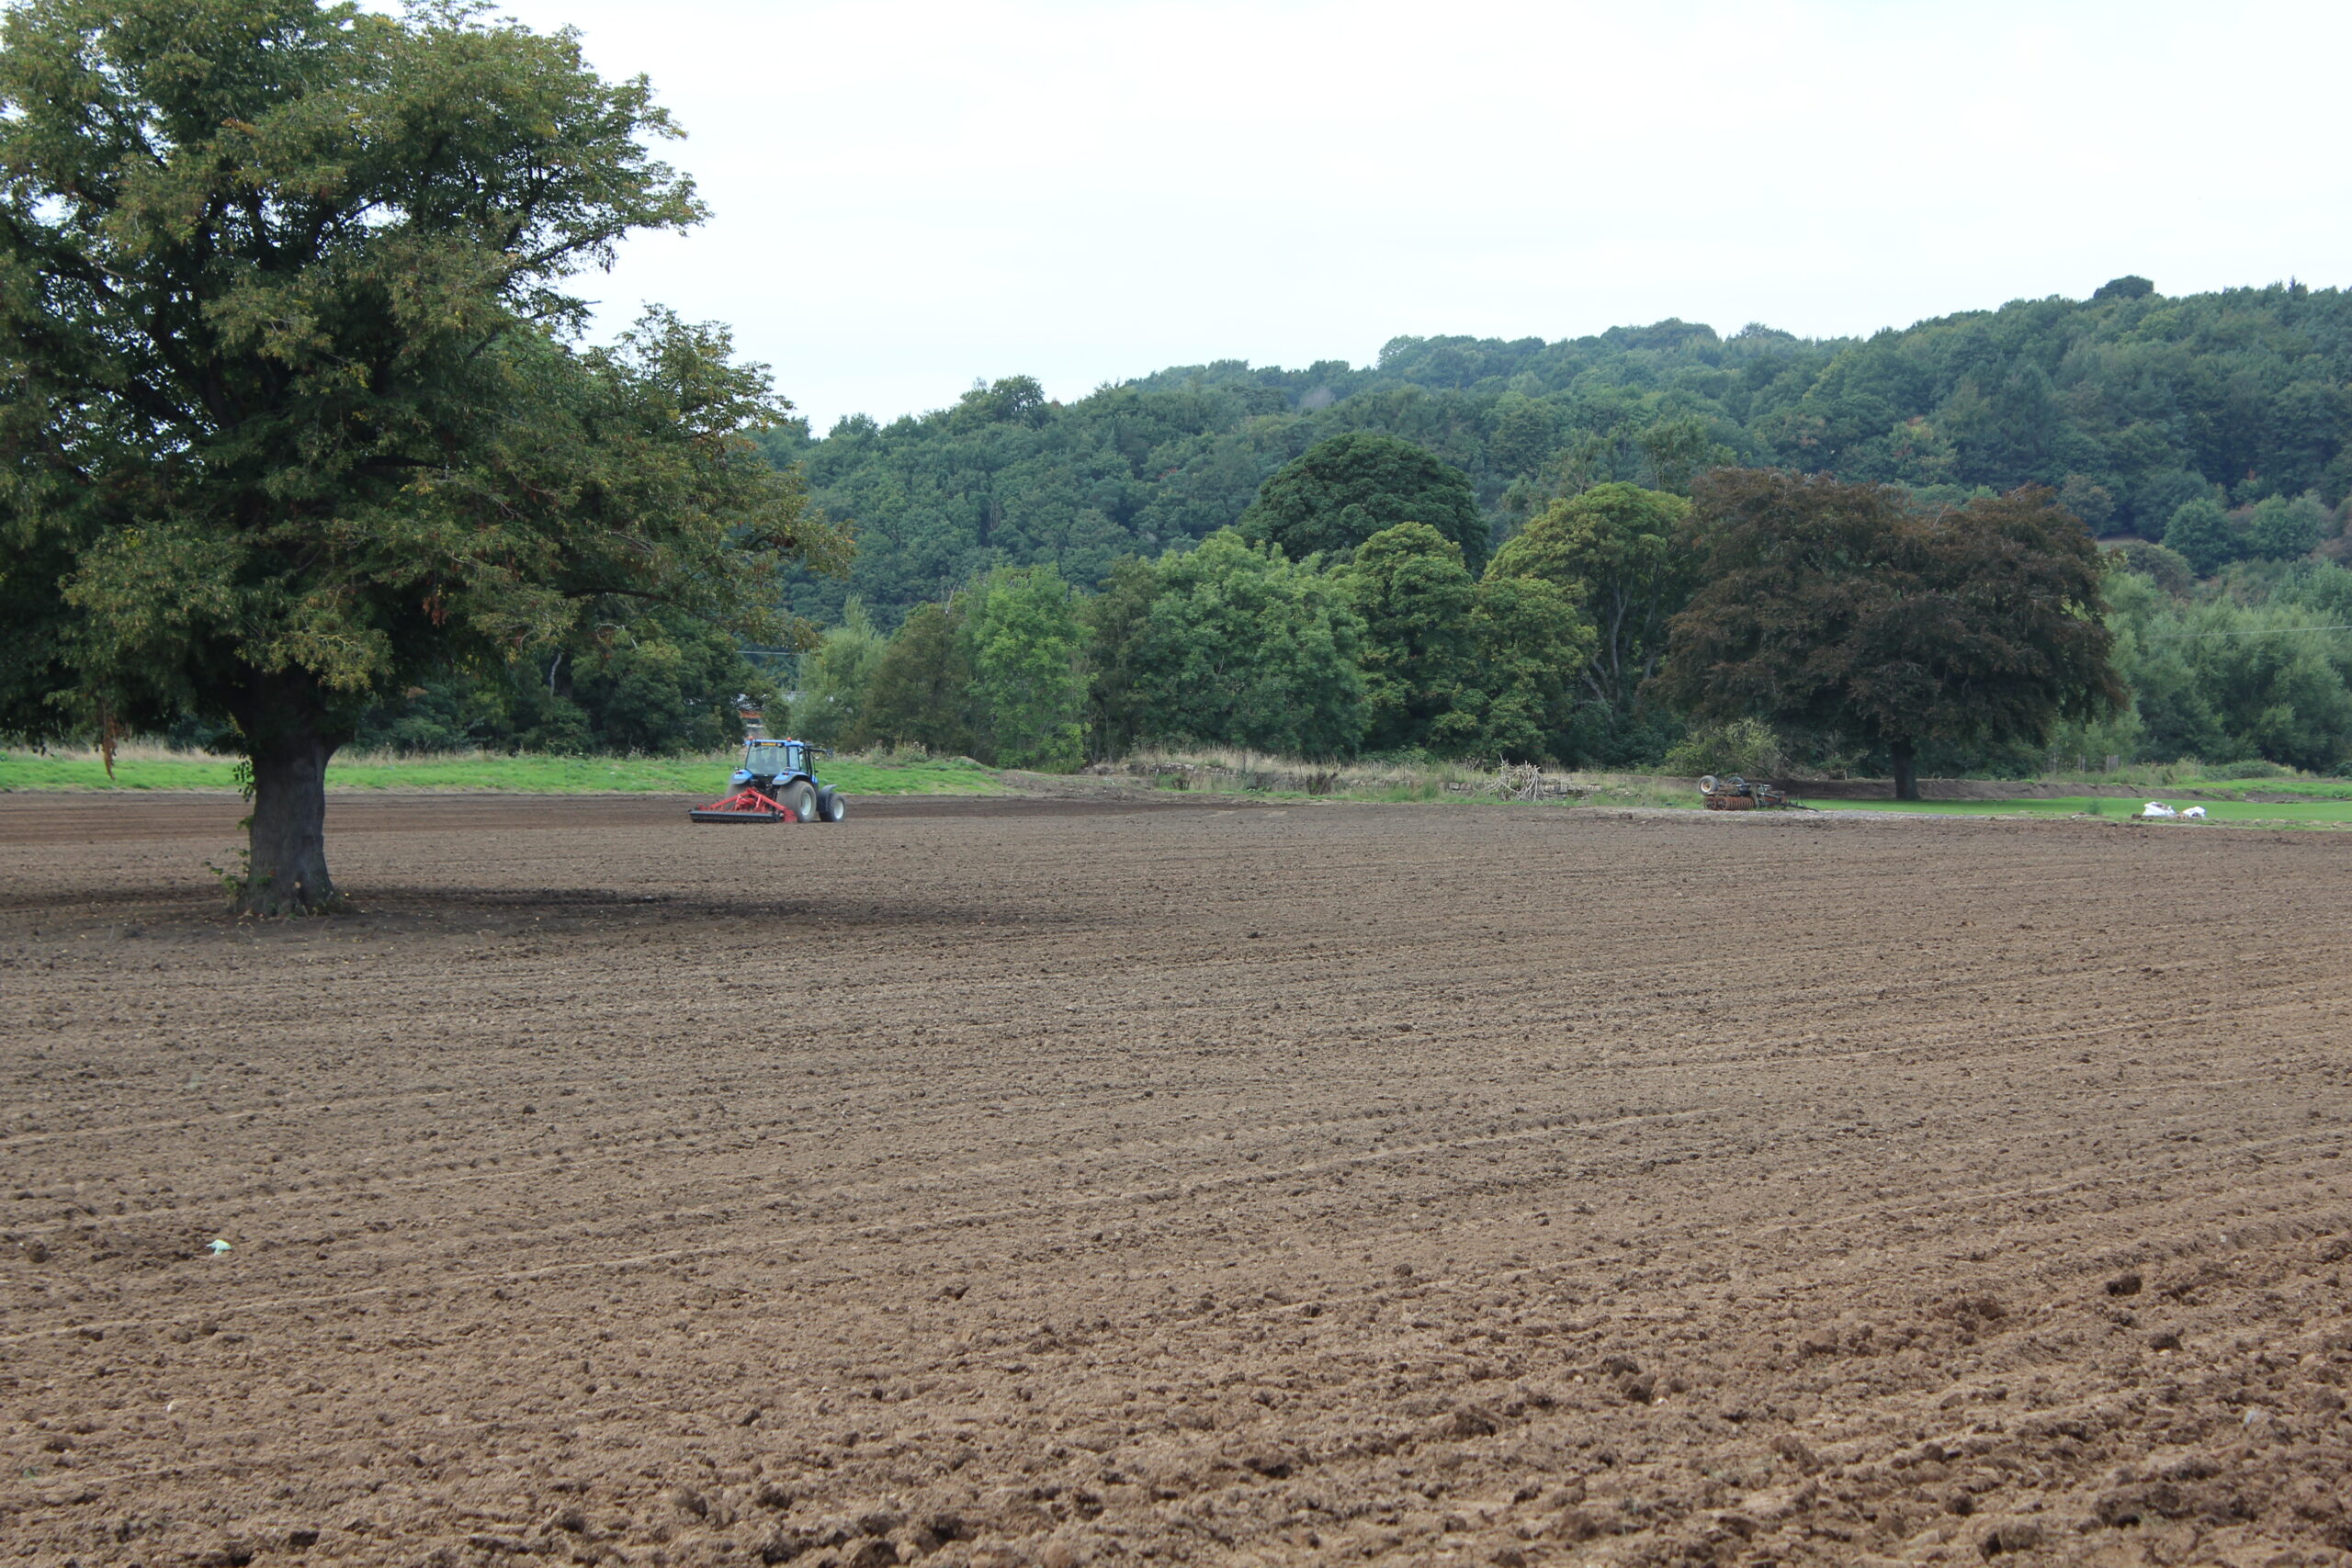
[[777, 784]]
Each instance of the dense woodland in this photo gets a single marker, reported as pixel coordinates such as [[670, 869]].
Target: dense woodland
[[1182, 553], [2129, 405]]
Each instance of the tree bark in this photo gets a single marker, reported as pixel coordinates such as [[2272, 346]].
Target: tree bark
[[1906, 771], [288, 741]]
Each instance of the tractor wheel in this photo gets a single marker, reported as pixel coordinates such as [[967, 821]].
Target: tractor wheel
[[830, 806], [800, 800]]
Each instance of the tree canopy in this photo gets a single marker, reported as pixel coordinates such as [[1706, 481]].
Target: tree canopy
[[1339, 492], [2128, 404], [1829, 605], [295, 412], [1626, 553], [1414, 595], [1237, 645]]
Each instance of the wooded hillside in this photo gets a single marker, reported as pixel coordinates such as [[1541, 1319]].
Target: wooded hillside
[[2130, 403]]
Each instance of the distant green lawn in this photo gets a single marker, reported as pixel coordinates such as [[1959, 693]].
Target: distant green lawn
[[520, 776], [2316, 811]]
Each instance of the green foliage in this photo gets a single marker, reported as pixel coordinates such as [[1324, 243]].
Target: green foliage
[[2280, 528], [295, 419], [2129, 403], [2199, 533], [666, 684], [1828, 605], [1457, 667], [144, 767], [1243, 647], [2239, 673], [921, 693], [2165, 567], [1626, 553], [1408, 585], [1745, 746], [1025, 637], [1528, 642], [658, 689], [1341, 492], [835, 679], [1116, 620]]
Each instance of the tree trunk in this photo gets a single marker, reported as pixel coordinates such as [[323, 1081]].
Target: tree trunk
[[1906, 771], [288, 741]]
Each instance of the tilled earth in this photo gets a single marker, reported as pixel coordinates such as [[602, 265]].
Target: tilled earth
[[1032, 1183]]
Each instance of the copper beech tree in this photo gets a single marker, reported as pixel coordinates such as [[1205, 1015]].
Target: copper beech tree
[[297, 408], [1830, 607]]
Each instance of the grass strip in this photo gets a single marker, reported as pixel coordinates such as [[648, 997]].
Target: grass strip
[[2315, 811], [146, 770]]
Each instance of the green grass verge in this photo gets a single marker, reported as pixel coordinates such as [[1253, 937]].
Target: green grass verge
[[517, 775], [2317, 812], [2315, 789]]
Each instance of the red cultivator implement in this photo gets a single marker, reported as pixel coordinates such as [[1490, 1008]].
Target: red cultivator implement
[[746, 805]]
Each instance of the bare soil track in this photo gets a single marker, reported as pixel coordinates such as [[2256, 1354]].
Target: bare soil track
[[1033, 1184]]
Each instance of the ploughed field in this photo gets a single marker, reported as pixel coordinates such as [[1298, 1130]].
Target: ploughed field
[[1040, 1182]]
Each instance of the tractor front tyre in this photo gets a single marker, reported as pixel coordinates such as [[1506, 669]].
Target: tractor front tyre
[[830, 806], [800, 800]]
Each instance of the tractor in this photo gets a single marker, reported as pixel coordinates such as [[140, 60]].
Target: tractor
[[777, 784]]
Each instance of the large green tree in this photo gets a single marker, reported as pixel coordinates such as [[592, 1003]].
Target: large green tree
[[2199, 533], [1241, 647], [1528, 642], [837, 679], [1829, 605], [1025, 640], [1624, 552], [1409, 584], [1116, 619], [1341, 492], [921, 691], [292, 406]]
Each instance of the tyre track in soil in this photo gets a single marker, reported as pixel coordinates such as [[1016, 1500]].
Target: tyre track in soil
[[977, 1180]]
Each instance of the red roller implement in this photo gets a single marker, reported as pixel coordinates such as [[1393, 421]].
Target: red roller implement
[[746, 805]]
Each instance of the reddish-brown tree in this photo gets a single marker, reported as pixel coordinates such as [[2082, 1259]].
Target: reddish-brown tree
[[1832, 606]]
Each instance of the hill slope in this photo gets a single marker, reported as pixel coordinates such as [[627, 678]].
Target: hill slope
[[2132, 402]]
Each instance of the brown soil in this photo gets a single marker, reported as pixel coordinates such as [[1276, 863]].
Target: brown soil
[[1019, 1183]]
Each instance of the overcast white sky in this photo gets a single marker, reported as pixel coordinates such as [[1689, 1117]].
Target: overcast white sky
[[907, 197]]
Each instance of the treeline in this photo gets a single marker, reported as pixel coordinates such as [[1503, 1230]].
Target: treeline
[[659, 682], [1781, 624], [2130, 404], [1777, 625], [1192, 557], [2253, 665], [1334, 620]]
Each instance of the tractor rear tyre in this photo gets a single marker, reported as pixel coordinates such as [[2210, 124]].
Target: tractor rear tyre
[[800, 800], [830, 806]]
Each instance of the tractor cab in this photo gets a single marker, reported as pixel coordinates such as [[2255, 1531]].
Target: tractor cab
[[767, 761]]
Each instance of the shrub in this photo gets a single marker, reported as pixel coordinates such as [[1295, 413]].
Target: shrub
[[1745, 746]]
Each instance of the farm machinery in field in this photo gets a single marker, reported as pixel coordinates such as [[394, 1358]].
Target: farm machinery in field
[[777, 783], [1736, 794]]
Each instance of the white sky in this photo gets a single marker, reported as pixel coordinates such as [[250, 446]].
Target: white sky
[[910, 195]]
